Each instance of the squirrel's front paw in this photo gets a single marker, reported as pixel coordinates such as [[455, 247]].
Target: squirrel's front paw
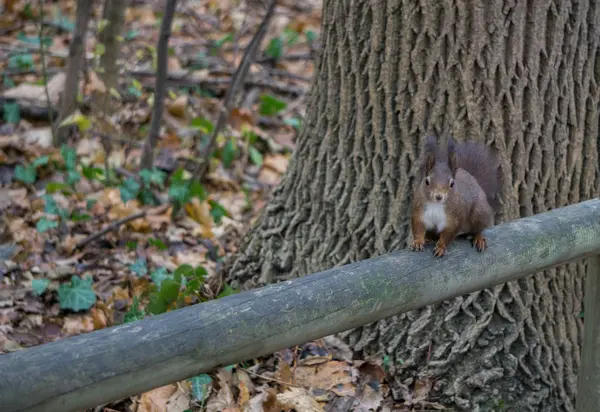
[[439, 250], [417, 245], [479, 242]]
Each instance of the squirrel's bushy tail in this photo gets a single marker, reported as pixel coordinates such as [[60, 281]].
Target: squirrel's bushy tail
[[482, 163]]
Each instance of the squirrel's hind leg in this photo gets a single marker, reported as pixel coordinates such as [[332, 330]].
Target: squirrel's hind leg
[[481, 218]]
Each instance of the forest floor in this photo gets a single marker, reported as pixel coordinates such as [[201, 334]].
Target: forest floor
[[68, 265]]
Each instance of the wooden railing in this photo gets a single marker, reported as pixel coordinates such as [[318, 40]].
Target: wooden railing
[[112, 363]]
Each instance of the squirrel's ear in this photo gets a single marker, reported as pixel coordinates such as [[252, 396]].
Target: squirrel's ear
[[429, 152], [452, 160]]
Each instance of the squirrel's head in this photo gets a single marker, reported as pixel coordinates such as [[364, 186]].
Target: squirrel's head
[[438, 170]]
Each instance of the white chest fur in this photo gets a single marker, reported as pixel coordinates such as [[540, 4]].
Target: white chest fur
[[434, 216]]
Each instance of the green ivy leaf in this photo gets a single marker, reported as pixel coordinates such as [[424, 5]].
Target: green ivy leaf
[[146, 197], [169, 290], [294, 122], [73, 177], [217, 211], [69, 156], [311, 36], [202, 124], [200, 385], [90, 203], [270, 105], [21, 61], [26, 174], [40, 161], [39, 286], [183, 271], [159, 244], [78, 295], [255, 156], [129, 189], [223, 40], [92, 173], [159, 275], [275, 48], [156, 305], [50, 205], [197, 190], [12, 113], [44, 224], [155, 175], [139, 267], [228, 153]]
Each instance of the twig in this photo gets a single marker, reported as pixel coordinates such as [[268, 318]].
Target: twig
[[236, 81], [114, 225], [258, 375], [159, 89], [45, 71], [185, 80]]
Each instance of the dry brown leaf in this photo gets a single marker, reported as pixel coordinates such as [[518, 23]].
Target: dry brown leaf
[[77, 324], [240, 117], [269, 177], [19, 197], [300, 400], [173, 64], [334, 375], [278, 163], [244, 395], [68, 243], [369, 400], [200, 213], [41, 136], [156, 399], [223, 400], [33, 93], [178, 106], [179, 401], [95, 84]]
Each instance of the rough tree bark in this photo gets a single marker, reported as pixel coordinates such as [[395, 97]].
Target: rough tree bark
[[522, 76]]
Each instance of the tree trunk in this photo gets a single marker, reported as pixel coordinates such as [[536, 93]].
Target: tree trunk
[[522, 76]]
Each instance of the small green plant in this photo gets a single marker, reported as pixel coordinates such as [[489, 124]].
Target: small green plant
[[78, 294], [39, 286], [28, 172]]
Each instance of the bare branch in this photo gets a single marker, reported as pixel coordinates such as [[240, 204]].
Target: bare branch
[[159, 90], [236, 81]]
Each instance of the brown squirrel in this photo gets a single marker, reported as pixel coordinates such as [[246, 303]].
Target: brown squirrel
[[457, 194]]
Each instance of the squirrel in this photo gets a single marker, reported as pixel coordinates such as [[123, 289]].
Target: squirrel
[[457, 194]]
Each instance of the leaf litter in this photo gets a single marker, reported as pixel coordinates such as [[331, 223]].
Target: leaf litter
[[67, 269]]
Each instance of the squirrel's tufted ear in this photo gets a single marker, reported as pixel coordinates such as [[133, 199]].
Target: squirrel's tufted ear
[[452, 160], [429, 154]]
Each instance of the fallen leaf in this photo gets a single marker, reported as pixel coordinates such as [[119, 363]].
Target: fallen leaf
[[278, 163], [200, 213], [300, 400], [156, 399], [95, 84], [334, 376], [179, 401], [77, 324], [178, 106], [41, 136]]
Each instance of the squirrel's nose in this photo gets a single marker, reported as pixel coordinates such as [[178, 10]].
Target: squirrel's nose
[[438, 197]]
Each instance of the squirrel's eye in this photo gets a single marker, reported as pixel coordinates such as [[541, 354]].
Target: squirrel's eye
[[451, 182], [427, 180]]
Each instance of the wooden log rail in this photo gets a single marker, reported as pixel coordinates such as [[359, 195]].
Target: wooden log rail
[[108, 364]]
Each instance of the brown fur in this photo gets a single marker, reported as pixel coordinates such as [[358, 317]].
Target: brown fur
[[462, 193]]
